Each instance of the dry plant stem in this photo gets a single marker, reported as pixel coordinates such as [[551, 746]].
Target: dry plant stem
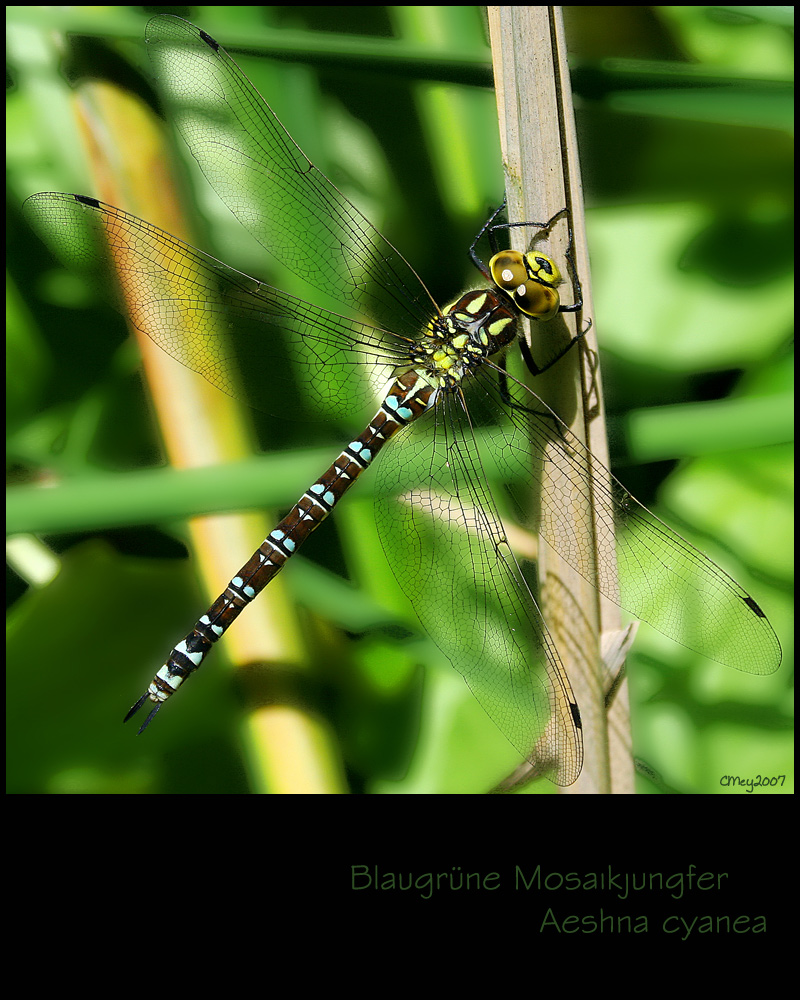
[[542, 177], [201, 426]]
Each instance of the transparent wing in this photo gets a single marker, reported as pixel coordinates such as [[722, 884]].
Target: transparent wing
[[271, 186], [553, 482], [446, 543], [245, 337], [445, 540], [663, 579]]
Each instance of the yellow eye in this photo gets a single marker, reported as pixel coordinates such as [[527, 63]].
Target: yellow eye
[[508, 269], [542, 268], [529, 279], [537, 300]]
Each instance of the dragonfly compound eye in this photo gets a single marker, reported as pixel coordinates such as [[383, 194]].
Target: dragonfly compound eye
[[537, 300], [508, 270], [529, 279], [542, 268]]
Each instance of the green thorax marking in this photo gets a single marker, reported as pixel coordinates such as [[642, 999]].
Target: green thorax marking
[[473, 328]]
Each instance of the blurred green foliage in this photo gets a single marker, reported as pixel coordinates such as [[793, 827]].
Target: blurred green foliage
[[683, 120]]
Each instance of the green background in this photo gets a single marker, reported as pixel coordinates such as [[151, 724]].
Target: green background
[[684, 118]]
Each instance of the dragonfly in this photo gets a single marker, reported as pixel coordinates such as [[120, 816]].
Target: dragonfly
[[449, 409]]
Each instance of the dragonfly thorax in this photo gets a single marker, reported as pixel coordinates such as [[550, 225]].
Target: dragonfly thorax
[[472, 329]]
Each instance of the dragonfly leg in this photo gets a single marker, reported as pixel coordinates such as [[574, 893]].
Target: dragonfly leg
[[473, 253], [536, 369]]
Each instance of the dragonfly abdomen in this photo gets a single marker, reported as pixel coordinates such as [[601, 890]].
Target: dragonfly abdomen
[[407, 399]]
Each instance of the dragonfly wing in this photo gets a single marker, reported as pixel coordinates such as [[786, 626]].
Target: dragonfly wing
[[446, 544], [240, 334], [663, 579], [271, 186]]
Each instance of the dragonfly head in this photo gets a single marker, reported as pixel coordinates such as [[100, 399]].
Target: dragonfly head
[[530, 280]]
